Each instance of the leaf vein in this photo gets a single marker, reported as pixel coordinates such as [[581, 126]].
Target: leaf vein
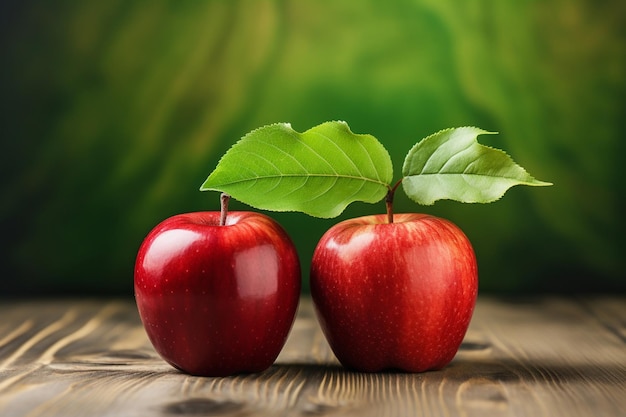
[[342, 151], [282, 152], [306, 175]]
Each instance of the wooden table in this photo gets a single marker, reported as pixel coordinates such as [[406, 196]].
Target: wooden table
[[547, 356]]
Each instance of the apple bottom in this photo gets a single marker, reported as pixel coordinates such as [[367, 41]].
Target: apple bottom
[[219, 339], [217, 300], [394, 296]]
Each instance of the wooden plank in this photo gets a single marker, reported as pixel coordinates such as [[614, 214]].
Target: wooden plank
[[535, 357]]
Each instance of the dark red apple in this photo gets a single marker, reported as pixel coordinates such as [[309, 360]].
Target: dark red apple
[[215, 299], [394, 295]]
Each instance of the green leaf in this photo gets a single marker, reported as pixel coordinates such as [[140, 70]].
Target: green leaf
[[452, 165], [318, 172]]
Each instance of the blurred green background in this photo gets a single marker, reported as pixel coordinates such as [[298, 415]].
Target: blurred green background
[[113, 114]]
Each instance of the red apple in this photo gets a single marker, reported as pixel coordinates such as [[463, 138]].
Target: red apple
[[394, 295], [215, 299]]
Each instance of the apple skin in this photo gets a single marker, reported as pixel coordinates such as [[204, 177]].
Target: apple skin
[[217, 300], [394, 296]]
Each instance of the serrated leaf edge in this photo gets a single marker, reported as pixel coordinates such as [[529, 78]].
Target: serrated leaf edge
[[339, 208], [533, 182]]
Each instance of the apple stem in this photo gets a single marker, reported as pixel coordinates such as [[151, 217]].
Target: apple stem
[[224, 198], [389, 204], [389, 201]]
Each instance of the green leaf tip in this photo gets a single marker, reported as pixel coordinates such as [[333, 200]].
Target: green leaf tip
[[451, 164], [318, 172]]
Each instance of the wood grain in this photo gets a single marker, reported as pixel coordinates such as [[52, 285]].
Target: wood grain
[[533, 357]]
